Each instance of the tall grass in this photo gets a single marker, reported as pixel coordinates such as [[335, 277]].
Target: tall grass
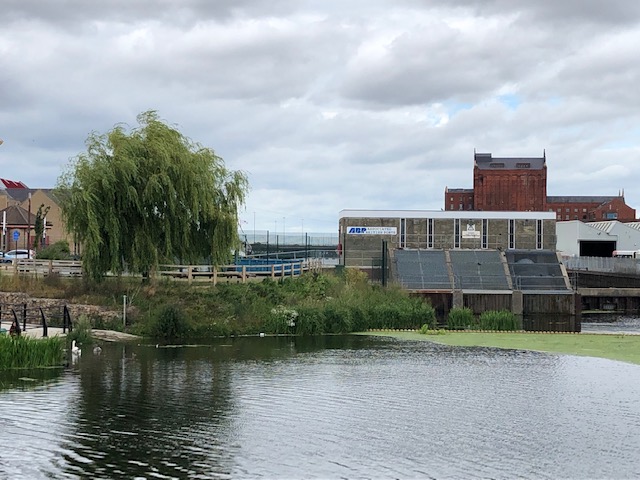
[[460, 318], [26, 352], [499, 320]]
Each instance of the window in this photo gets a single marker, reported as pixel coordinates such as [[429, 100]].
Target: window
[[567, 210], [512, 234], [523, 165], [460, 207], [430, 233], [539, 236], [611, 216], [485, 233], [575, 210], [584, 210], [403, 232], [456, 233], [496, 165]]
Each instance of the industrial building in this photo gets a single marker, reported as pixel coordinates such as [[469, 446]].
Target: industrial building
[[480, 260], [520, 184]]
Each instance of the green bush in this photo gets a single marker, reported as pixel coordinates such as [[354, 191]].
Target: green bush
[[311, 320], [427, 330], [170, 324], [81, 331], [281, 320], [499, 320], [337, 318], [55, 251], [460, 318]]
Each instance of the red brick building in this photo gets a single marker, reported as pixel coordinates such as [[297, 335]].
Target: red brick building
[[520, 184]]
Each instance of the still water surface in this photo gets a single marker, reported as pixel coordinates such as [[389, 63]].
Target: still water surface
[[330, 407]]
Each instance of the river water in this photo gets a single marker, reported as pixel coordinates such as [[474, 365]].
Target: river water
[[327, 407]]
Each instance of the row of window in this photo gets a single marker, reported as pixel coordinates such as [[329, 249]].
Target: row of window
[[605, 216], [484, 234]]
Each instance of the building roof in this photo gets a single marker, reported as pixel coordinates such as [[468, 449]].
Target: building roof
[[17, 216], [22, 194], [604, 226], [459, 190], [448, 214], [580, 199], [4, 183], [485, 161]]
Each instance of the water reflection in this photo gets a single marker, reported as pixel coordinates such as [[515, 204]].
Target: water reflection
[[326, 407]]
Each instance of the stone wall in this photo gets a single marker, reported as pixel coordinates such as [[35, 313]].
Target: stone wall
[[16, 300]]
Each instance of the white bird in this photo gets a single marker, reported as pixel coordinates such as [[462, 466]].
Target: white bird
[[75, 350], [97, 350]]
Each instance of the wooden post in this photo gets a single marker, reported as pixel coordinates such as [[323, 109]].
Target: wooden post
[[215, 276], [190, 273], [273, 271], [244, 274]]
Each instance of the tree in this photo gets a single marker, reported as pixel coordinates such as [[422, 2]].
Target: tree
[[39, 224], [136, 198]]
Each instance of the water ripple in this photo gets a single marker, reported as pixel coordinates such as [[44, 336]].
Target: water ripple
[[347, 408]]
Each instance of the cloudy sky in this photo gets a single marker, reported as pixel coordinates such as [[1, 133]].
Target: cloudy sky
[[336, 104]]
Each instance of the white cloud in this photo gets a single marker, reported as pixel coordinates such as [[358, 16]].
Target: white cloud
[[332, 105]]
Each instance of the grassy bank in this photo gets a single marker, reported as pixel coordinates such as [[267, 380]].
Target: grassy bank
[[308, 305], [625, 348]]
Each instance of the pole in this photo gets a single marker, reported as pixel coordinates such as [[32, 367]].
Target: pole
[[4, 231], [124, 311], [29, 225]]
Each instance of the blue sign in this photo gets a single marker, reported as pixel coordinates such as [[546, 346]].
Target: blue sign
[[16, 235]]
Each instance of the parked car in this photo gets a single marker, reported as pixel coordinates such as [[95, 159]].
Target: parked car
[[11, 255]]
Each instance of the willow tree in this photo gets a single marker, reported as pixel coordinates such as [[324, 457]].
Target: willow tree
[[149, 194]]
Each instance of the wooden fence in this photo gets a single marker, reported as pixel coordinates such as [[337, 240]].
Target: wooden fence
[[190, 273]]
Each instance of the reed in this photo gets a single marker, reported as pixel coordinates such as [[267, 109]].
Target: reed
[[25, 352], [502, 320], [460, 318]]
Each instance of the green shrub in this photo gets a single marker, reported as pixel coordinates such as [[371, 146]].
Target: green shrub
[[460, 318], [281, 320], [427, 330], [337, 318], [499, 320], [56, 251], [311, 320], [81, 331], [170, 324]]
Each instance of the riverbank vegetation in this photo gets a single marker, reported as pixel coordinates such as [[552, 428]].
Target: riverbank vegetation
[[625, 348], [25, 352], [464, 319], [311, 304]]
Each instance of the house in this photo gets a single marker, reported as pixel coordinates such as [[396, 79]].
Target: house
[[19, 206]]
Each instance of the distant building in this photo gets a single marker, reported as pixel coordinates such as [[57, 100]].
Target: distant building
[[362, 231], [520, 184], [18, 206]]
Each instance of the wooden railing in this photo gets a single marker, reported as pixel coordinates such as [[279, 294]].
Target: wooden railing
[[239, 273], [44, 267], [190, 273]]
